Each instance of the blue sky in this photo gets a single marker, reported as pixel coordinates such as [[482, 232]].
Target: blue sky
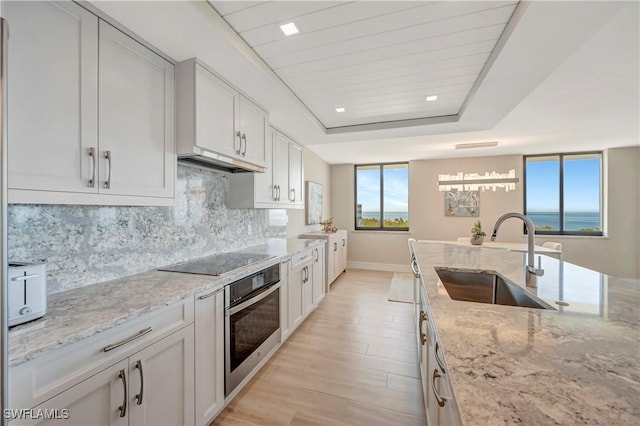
[[395, 189], [581, 185]]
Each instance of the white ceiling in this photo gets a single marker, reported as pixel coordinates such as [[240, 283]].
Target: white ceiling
[[378, 60], [566, 78]]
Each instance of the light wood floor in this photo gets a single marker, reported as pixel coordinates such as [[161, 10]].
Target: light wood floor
[[353, 361]]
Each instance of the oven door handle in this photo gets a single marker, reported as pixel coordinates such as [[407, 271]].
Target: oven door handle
[[255, 299]]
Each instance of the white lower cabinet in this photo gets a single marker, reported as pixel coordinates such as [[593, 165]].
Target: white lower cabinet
[[151, 387], [318, 275], [335, 254], [440, 405], [161, 382], [137, 373], [209, 355], [285, 327], [298, 279]]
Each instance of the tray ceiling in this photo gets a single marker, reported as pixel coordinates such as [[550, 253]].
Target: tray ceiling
[[378, 60]]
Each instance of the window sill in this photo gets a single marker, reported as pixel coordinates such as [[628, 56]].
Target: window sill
[[568, 237], [385, 231]]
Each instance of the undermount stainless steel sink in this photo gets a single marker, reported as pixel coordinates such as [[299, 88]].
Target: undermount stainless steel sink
[[490, 288]]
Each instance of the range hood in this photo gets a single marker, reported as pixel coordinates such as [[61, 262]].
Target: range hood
[[212, 160]]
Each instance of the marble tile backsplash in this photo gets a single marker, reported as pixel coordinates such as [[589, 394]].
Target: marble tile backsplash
[[84, 245]]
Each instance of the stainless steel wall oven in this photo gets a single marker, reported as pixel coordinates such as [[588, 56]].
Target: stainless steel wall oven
[[252, 323]]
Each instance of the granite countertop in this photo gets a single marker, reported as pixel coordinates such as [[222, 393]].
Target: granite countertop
[[83, 312], [578, 364]]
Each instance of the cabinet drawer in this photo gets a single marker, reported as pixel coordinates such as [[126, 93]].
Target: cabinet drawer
[[301, 259], [42, 378]]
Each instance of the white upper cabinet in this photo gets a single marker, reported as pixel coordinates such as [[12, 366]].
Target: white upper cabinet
[[216, 113], [136, 118], [215, 117], [296, 177], [254, 122], [90, 111], [52, 96], [280, 186]]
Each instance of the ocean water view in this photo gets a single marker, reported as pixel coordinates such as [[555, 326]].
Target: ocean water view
[[573, 221], [387, 215]]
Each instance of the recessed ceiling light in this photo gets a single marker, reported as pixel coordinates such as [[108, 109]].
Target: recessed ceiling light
[[476, 145], [289, 29], [432, 98], [340, 109]]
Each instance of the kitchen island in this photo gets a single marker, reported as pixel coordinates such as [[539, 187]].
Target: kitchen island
[[577, 364]]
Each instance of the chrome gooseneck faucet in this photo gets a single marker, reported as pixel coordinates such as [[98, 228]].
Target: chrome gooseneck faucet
[[532, 273]]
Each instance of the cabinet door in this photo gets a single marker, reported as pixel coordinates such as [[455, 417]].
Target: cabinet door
[[264, 191], [161, 392], [281, 166], [253, 125], [136, 118], [93, 402], [295, 174], [209, 352], [295, 297], [332, 258], [318, 275], [217, 114], [52, 96], [284, 300], [307, 291]]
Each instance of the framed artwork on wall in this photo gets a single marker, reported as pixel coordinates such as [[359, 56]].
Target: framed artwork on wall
[[462, 203], [313, 203]]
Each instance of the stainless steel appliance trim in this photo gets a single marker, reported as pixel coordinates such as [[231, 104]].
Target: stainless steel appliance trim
[[129, 339], [268, 290], [4, 310], [205, 158]]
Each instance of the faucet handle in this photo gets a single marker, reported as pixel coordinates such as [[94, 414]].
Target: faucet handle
[[537, 271]]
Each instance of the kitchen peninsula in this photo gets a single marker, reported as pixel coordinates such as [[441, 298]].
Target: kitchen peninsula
[[577, 363]]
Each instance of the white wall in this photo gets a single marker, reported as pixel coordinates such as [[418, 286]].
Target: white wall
[[618, 253], [316, 170]]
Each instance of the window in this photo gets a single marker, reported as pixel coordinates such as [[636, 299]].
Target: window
[[382, 197], [563, 193]]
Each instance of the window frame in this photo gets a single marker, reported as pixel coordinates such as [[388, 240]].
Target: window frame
[[561, 231], [355, 198]]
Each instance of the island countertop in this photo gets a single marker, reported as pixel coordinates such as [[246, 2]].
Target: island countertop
[[578, 364], [77, 314]]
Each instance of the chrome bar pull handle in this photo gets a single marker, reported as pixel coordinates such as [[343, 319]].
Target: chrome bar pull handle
[[122, 342], [317, 255], [243, 138], [92, 154], [335, 246], [239, 136], [208, 295], [123, 408], [441, 400], [139, 396], [423, 336], [294, 194], [440, 363], [107, 183]]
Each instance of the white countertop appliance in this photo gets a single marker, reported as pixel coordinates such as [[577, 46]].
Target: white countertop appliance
[[27, 299]]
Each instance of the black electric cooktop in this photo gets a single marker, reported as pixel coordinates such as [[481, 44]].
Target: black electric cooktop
[[217, 264]]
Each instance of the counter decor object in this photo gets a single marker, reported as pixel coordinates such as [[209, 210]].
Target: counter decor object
[[477, 235], [327, 226]]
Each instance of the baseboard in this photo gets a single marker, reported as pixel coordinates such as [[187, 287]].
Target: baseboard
[[390, 267]]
